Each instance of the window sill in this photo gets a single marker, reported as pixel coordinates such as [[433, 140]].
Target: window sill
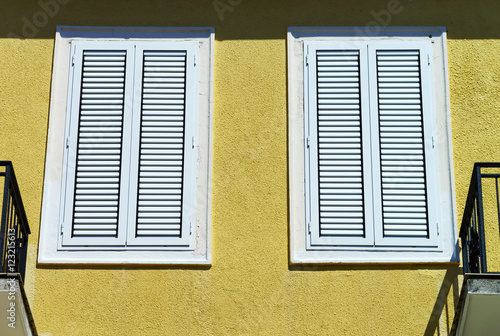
[[125, 258]]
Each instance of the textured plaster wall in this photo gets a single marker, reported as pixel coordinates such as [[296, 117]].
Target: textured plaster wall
[[250, 288], [474, 71]]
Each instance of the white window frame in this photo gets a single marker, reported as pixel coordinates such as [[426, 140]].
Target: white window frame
[[301, 249], [51, 250]]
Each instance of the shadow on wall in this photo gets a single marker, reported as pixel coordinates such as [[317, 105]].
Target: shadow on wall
[[442, 314], [443, 311], [252, 19]]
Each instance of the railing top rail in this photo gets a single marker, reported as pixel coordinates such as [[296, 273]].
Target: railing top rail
[[5, 163], [487, 164]]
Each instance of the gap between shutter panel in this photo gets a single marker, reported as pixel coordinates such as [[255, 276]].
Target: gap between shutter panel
[[340, 176], [99, 147], [161, 156], [402, 157]]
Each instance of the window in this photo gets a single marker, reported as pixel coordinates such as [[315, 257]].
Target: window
[[129, 159], [369, 146]]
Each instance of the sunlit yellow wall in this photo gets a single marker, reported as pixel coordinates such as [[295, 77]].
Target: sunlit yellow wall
[[250, 288]]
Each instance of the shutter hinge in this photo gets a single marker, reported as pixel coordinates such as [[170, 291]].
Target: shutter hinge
[[62, 226], [73, 60], [67, 142], [194, 59], [428, 59], [309, 227], [190, 228], [433, 142], [437, 226], [308, 142], [192, 142]]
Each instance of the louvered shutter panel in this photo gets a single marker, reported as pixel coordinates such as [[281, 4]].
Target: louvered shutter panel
[[370, 167], [401, 92], [166, 149], [95, 165], [338, 178], [131, 158]]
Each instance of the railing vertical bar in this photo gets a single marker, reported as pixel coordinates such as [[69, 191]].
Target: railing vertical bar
[[21, 253], [8, 226], [480, 218], [498, 204], [24, 254], [12, 226], [24, 251], [473, 236], [18, 243], [465, 253]]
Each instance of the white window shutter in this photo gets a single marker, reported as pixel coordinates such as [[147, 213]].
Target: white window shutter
[[96, 173], [163, 191], [338, 169], [404, 167], [131, 157], [370, 166]]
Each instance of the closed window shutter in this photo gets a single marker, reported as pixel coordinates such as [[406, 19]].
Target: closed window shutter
[[369, 118], [166, 151], [339, 165], [404, 113], [162, 144], [131, 175], [96, 150]]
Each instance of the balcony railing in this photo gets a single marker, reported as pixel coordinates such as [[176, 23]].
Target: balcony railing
[[472, 231], [479, 301], [14, 229]]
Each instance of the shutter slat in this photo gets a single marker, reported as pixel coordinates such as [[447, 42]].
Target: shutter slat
[[355, 230], [103, 203], [174, 201]]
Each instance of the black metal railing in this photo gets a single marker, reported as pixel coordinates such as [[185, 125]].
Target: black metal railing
[[472, 231], [14, 229]]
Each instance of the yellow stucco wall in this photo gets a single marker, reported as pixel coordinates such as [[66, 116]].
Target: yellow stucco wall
[[250, 289]]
